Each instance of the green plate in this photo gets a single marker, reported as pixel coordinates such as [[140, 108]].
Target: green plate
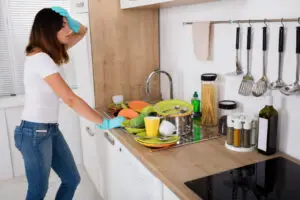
[[156, 140], [167, 107], [134, 130]]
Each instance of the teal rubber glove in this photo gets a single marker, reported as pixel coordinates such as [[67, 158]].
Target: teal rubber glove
[[111, 123], [73, 24]]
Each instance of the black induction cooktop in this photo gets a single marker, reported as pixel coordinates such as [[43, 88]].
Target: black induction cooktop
[[274, 179]]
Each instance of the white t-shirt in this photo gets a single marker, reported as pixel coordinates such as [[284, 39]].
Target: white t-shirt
[[41, 103]]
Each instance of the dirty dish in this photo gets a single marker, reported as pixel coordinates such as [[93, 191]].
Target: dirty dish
[[128, 113], [135, 130], [156, 145], [152, 126], [156, 141], [166, 128], [171, 107], [137, 105], [117, 99]]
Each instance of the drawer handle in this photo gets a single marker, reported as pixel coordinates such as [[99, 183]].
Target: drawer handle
[[89, 131], [109, 138]]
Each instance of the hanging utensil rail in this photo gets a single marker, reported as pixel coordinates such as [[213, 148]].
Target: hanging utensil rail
[[250, 21]]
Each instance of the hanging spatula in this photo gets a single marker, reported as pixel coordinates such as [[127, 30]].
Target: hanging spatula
[[247, 82], [260, 87]]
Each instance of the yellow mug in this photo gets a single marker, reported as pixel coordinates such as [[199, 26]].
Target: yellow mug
[[152, 126]]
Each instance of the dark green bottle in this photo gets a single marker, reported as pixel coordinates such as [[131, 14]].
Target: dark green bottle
[[268, 127]]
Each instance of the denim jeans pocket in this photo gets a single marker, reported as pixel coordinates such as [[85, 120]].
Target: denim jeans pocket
[[39, 135], [18, 135]]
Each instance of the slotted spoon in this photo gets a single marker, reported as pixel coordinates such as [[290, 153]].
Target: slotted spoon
[[248, 81], [279, 82], [260, 87], [295, 87]]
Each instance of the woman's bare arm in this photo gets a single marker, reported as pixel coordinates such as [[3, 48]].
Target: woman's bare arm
[[76, 37], [62, 90]]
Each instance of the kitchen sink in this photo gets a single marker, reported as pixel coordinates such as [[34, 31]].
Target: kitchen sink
[[187, 138]]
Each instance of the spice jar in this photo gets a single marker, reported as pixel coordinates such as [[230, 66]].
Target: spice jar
[[247, 134], [209, 99], [254, 131], [226, 107], [237, 133], [229, 134]]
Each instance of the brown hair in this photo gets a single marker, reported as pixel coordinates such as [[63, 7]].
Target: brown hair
[[44, 36]]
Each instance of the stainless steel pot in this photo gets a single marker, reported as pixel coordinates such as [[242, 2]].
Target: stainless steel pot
[[182, 122]]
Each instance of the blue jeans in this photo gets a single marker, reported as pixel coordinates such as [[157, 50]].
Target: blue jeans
[[43, 147]]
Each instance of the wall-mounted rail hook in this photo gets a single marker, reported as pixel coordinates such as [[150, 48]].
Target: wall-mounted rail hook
[[265, 22], [281, 21]]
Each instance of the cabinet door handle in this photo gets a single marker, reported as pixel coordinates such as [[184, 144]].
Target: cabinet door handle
[[89, 131], [109, 138]]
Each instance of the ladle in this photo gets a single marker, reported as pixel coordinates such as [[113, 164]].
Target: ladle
[[294, 87]]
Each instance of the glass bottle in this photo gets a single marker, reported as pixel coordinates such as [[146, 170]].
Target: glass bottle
[[196, 102], [237, 133], [247, 134], [268, 125], [209, 99], [229, 134], [254, 131]]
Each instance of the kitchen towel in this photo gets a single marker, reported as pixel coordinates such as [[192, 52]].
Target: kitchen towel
[[203, 39]]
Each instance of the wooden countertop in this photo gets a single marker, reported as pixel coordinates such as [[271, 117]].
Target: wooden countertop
[[177, 165]]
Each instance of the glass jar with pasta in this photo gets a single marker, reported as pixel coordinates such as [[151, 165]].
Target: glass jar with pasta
[[209, 99]]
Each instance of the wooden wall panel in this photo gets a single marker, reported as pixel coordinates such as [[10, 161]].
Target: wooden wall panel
[[125, 50]]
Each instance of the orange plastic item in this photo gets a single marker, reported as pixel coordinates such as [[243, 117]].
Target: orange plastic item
[[128, 113], [137, 105]]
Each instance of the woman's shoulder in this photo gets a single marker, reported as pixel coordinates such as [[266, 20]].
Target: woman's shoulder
[[39, 57]]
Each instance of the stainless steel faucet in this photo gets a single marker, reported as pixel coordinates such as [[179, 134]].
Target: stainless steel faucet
[[156, 72]]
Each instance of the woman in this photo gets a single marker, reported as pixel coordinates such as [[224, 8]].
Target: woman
[[38, 137]]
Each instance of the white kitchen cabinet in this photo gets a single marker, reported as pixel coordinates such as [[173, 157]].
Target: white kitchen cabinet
[[81, 60], [85, 82], [144, 185], [6, 171], [112, 169], [168, 194], [69, 126], [13, 118], [140, 3], [100, 151], [125, 4], [91, 160], [125, 176], [79, 6]]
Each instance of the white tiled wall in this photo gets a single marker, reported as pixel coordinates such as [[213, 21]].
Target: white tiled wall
[[177, 56]]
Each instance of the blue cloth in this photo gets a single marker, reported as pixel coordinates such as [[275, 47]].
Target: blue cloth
[[111, 123], [73, 24], [43, 147]]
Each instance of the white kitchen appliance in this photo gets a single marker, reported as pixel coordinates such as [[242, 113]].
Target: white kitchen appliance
[[81, 59]]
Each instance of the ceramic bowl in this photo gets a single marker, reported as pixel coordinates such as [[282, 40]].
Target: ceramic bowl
[[166, 128], [117, 99]]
